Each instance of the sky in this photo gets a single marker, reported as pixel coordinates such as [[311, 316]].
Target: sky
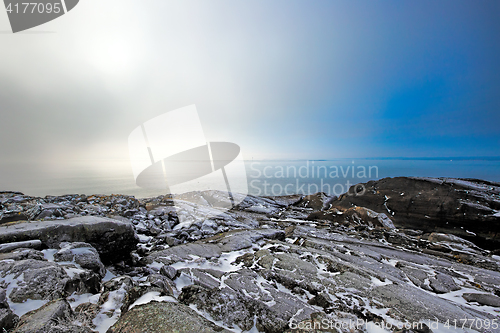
[[284, 79]]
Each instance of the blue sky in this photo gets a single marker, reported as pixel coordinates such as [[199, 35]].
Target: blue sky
[[396, 79], [283, 79]]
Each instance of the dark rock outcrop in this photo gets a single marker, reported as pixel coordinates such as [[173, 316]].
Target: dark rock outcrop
[[7, 318], [463, 207], [82, 254]]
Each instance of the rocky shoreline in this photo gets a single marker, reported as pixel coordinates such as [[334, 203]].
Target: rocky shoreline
[[420, 252]]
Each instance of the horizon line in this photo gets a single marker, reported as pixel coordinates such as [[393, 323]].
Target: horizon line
[[440, 158]]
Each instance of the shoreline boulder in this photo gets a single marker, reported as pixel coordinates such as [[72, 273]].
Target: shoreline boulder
[[113, 239]]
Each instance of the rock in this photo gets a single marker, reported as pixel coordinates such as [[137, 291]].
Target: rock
[[440, 237], [417, 276], [113, 239], [117, 282], [202, 277], [160, 283], [154, 283], [8, 319], [184, 252], [233, 308], [462, 207], [8, 247], [209, 227], [55, 316], [355, 216], [163, 317], [47, 211], [82, 280], [82, 254], [317, 201], [322, 300], [169, 272], [5, 195], [443, 283], [3, 299], [37, 279], [13, 207], [238, 240], [415, 305], [247, 259], [452, 244], [33, 279], [483, 299], [21, 254], [214, 246], [86, 312], [385, 222]]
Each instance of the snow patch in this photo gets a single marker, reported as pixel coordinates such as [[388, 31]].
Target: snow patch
[[377, 283], [49, 254], [224, 263], [156, 265], [456, 297], [391, 262], [152, 296], [108, 276], [12, 281], [144, 239], [27, 306], [103, 321], [183, 280], [74, 300]]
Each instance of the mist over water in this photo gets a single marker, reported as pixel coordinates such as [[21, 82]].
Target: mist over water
[[263, 177]]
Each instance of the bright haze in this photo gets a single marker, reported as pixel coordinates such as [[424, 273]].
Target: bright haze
[[282, 79]]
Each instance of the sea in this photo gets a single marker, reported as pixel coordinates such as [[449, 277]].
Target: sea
[[263, 177]]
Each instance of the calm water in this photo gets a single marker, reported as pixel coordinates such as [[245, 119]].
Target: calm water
[[263, 177]]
